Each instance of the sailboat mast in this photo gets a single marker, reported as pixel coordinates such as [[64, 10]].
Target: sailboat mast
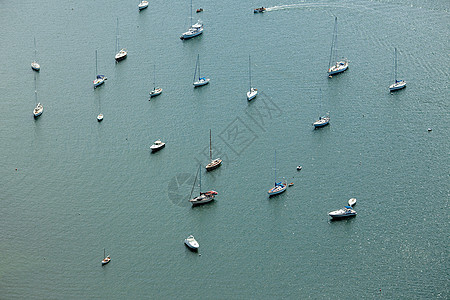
[[200, 179], [35, 89], [192, 22], [250, 73], [96, 71], [395, 65], [154, 77], [198, 59], [210, 149], [275, 167], [35, 51], [333, 41], [196, 66], [117, 36]]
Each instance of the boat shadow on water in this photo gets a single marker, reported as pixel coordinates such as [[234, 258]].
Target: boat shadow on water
[[342, 220]]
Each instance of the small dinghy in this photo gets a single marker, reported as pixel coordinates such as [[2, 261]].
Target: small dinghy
[[352, 202], [342, 213], [100, 117], [191, 243], [299, 168], [199, 10], [291, 184], [259, 10]]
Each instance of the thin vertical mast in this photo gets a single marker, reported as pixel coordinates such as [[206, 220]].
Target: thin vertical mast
[[198, 58], [395, 65], [250, 73], [210, 151], [35, 51], [192, 22], [275, 167], [117, 36], [154, 76], [199, 168], [96, 71], [196, 66]]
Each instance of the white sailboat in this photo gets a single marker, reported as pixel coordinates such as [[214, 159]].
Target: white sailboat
[[193, 31], [34, 65], [143, 5], [100, 79], [323, 120], [39, 109], [203, 198], [398, 84], [252, 91], [122, 53], [156, 90], [279, 187], [214, 163], [201, 80], [336, 66], [106, 259]]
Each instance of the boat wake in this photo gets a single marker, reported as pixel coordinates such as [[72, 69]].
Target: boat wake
[[300, 5]]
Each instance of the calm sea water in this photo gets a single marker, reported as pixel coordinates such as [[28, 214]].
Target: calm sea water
[[82, 186]]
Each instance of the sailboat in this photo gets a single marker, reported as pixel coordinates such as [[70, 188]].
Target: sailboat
[[203, 198], [143, 4], [195, 29], [156, 91], [279, 186], [34, 65], [100, 79], [106, 259], [214, 163], [122, 53], [336, 66], [398, 84], [201, 80], [39, 109], [252, 91], [323, 120]]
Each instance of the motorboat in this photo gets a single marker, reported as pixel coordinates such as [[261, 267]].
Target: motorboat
[[259, 10], [322, 121], [38, 110], [191, 243], [157, 145], [143, 5], [345, 212], [100, 117], [352, 202]]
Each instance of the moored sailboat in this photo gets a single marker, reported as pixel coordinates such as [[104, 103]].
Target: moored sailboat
[[323, 120], [214, 163], [252, 91], [201, 80], [193, 31], [39, 109], [398, 84], [156, 90], [336, 66], [122, 53], [106, 259], [100, 79], [203, 198], [279, 187], [34, 65]]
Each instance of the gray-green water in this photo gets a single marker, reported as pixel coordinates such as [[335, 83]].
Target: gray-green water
[[81, 186]]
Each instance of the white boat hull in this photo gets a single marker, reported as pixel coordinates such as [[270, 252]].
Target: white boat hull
[[158, 147], [35, 66], [191, 243], [155, 92], [277, 190], [202, 199], [252, 94], [339, 67], [352, 202], [397, 86], [121, 55], [201, 82], [342, 213], [321, 122], [38, 110], [194, 30], [143, 5], [100, 117]]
